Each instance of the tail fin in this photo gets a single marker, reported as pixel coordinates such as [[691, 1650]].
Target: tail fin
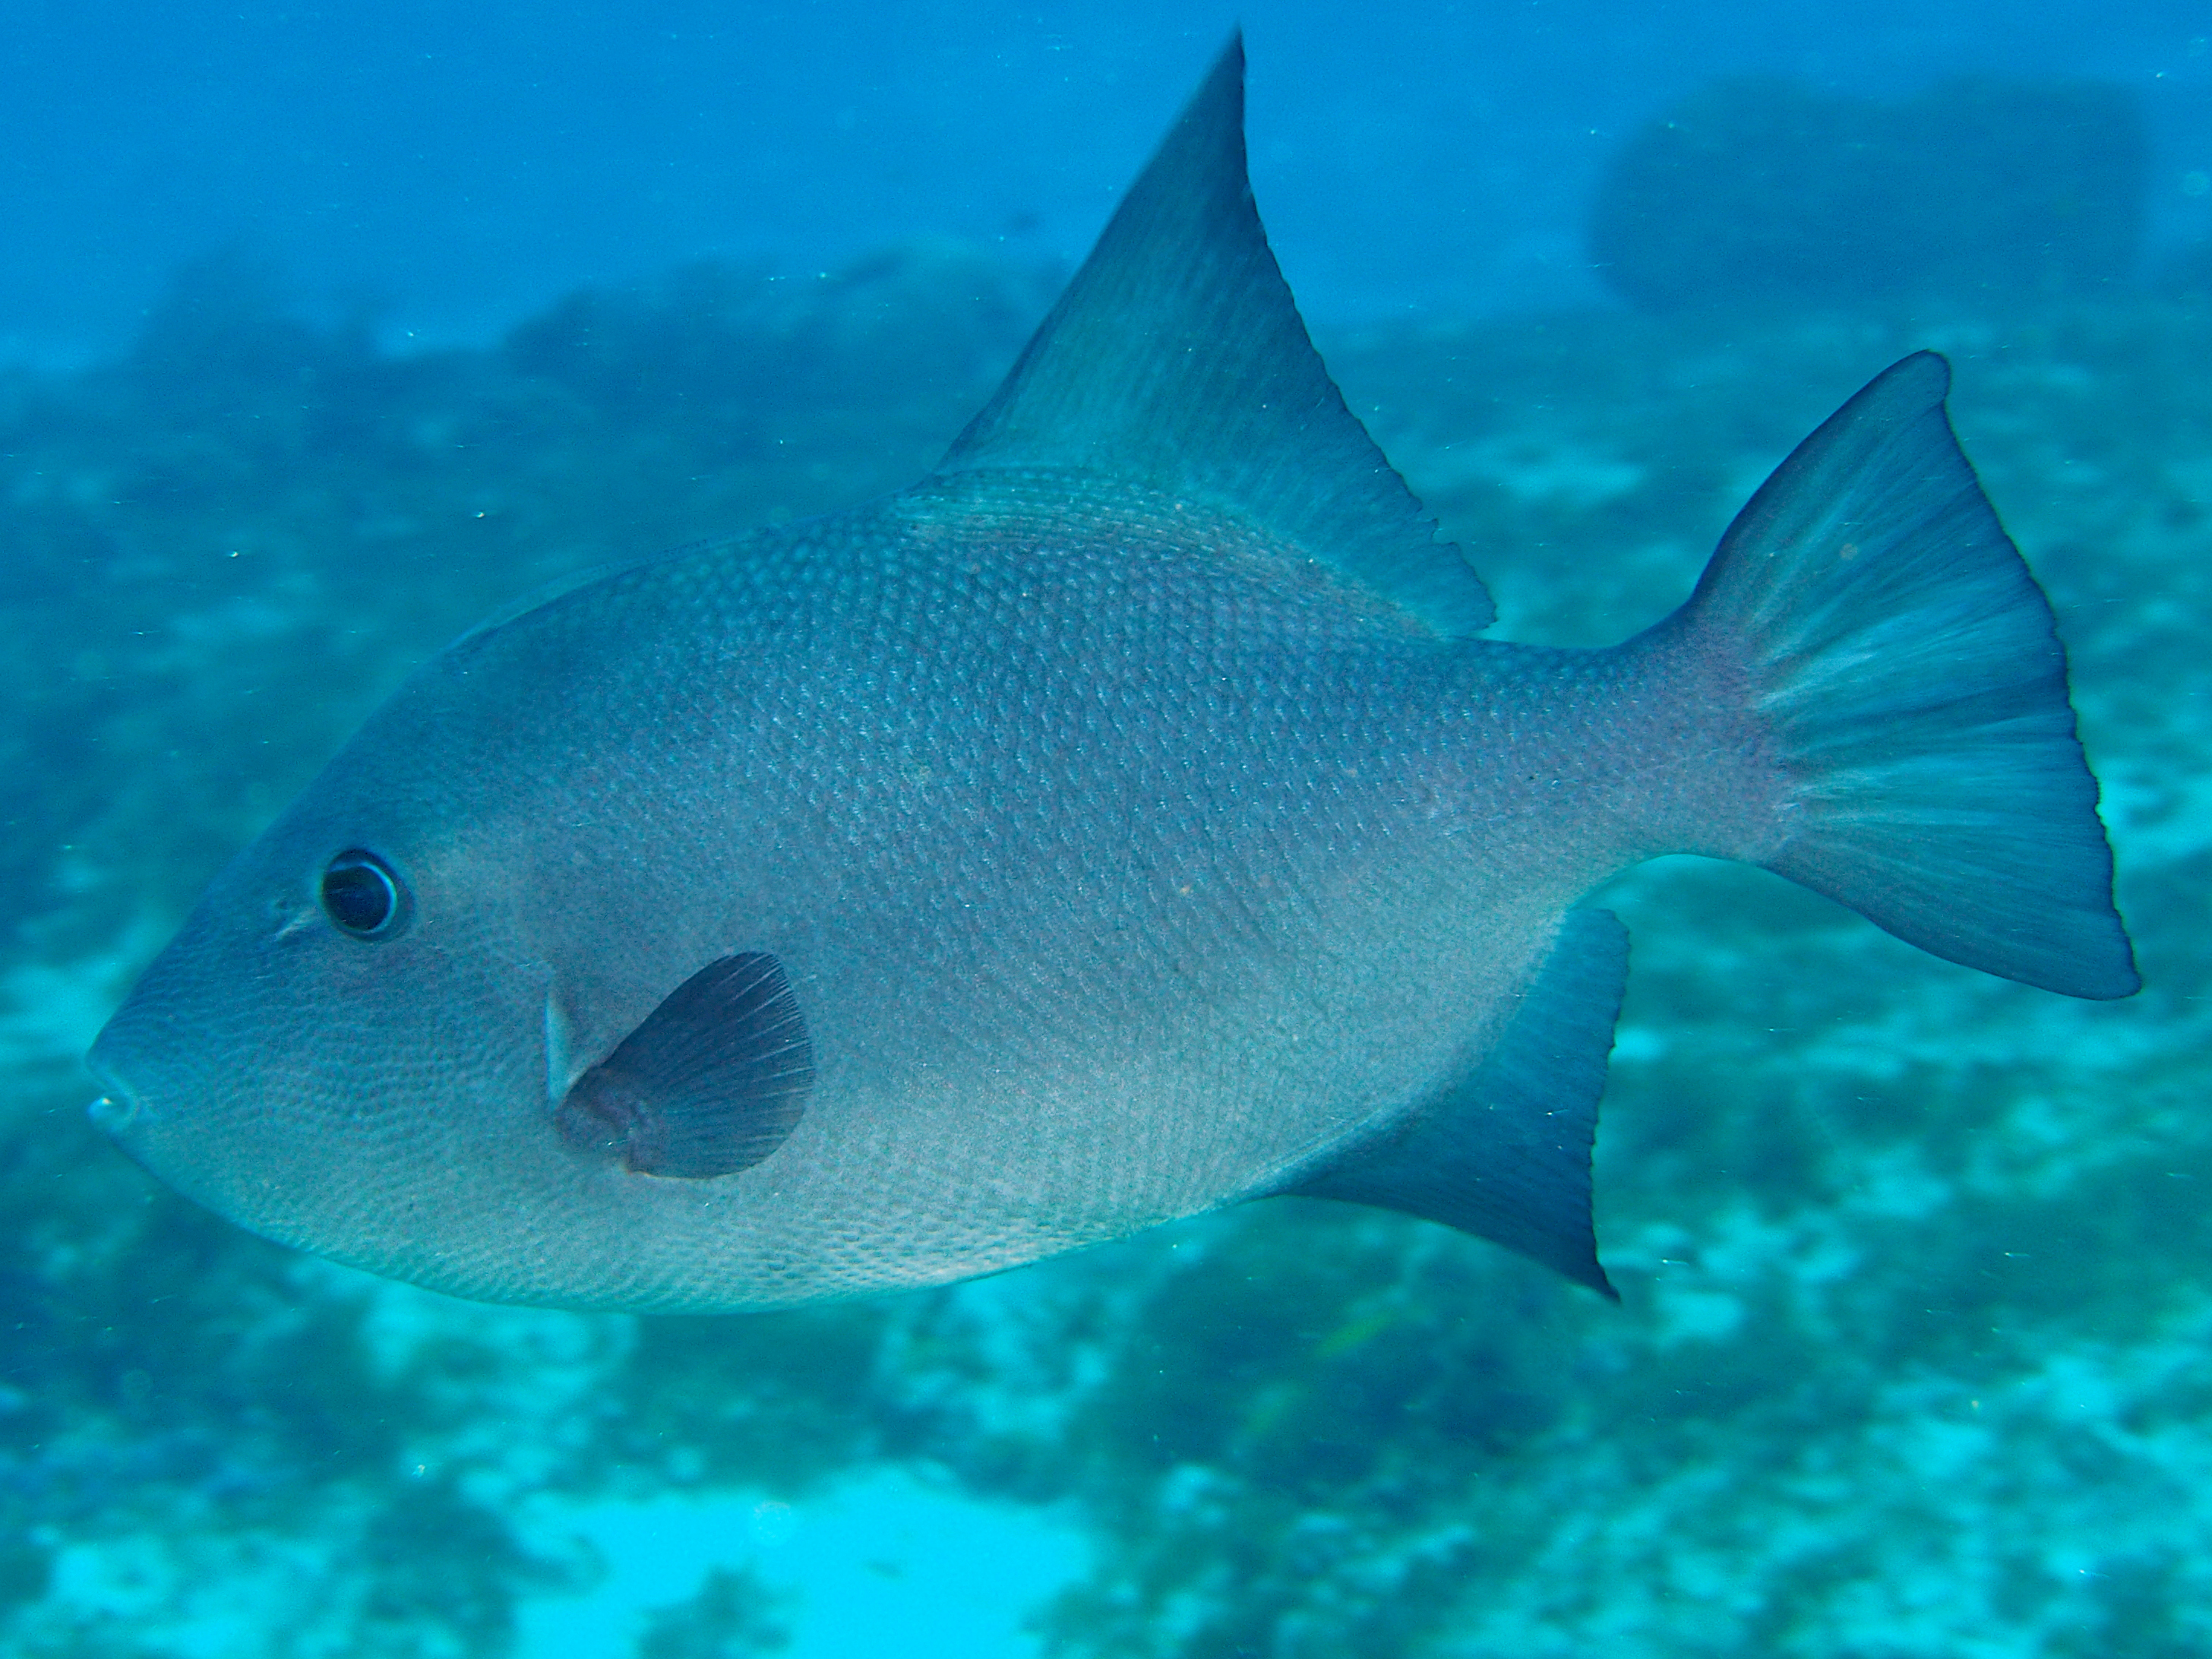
[[1907, 667]]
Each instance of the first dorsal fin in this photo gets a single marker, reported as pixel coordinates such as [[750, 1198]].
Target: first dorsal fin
[[1176, 359]]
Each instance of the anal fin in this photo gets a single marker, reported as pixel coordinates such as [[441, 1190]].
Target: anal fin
[[1506, 1154]]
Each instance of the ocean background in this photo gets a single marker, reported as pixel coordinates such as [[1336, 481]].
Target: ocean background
[[324, 331]]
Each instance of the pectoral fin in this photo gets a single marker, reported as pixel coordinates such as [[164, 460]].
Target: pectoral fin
[[1506, 1154], [711, 1082]]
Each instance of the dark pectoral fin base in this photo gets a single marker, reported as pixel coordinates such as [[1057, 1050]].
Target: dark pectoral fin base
[[711, 1082], [1506, 1155]]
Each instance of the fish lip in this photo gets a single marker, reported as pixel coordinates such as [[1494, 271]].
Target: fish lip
[[118, 1106]]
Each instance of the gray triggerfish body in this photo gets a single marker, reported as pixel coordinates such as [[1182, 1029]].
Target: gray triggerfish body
[[1123, 822]]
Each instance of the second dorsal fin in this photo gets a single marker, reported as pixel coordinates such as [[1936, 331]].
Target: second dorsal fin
[[1176, 359]]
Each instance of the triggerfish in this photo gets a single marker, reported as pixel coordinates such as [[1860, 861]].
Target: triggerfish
[[1125, 821]]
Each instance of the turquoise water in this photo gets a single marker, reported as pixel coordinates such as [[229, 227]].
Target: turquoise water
[[1911, 1358]]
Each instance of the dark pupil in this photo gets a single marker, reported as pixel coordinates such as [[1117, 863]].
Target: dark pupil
[[359, 893]]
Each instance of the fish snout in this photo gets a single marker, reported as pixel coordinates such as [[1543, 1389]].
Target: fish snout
[[114, 1111], [118, 1105], [119, 1108]]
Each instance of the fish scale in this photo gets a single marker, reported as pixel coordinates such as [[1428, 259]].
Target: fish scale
[[1123, 822]]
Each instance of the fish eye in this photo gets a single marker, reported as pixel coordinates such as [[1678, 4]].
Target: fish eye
[[362, 896]]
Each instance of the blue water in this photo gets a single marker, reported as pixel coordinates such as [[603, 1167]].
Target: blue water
[[457, 167], [1911, 1357]]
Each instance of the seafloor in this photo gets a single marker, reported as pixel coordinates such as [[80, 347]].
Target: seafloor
[[1913, 1353]]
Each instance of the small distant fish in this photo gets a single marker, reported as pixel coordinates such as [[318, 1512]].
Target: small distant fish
[[1123, 822]]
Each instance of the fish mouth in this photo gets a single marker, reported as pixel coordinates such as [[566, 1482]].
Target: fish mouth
[[114, 1111], [117, 1107], [121, 1113]]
